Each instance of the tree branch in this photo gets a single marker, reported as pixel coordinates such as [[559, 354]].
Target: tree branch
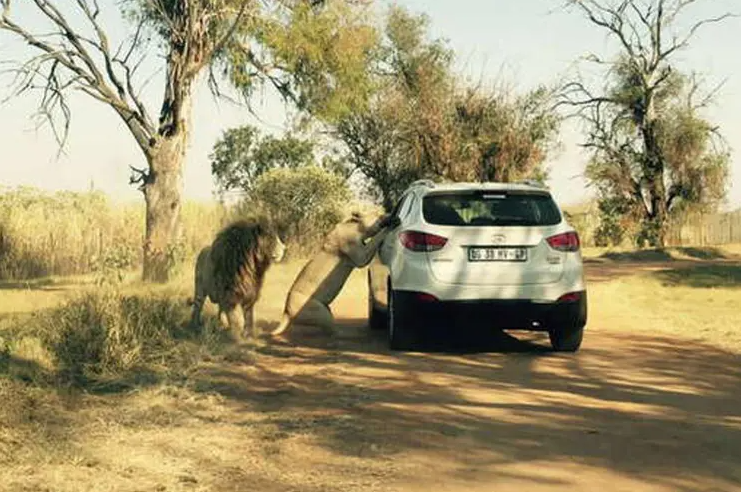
[[679, 44], [73, 67]]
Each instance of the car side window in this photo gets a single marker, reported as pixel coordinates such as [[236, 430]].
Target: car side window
[[406, 207], [403, 201]]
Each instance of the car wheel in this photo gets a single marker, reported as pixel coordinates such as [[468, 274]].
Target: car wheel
[[566, 340], [377, 319], [401, 335]]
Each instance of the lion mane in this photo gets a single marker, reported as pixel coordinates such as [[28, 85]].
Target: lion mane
[[231, 270]]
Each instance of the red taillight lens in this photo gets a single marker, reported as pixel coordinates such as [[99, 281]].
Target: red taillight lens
[[424, 297], [570, 297], [421, 241], [568, 241]]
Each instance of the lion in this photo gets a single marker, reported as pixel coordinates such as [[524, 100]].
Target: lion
[[351, 244], [230, 273]]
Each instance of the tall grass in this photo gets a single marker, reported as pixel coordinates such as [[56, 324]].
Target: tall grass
[[70, 233]]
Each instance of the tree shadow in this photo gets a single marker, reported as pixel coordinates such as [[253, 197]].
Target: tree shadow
[[638, 256], [704, 253], [702, 276], [43, 284], [34, 416], [22, 369], [643, 406]]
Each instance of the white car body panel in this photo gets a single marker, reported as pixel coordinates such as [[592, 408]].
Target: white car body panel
[[546, 275]]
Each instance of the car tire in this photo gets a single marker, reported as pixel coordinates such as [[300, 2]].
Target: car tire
[[566, 339], [400, 329]]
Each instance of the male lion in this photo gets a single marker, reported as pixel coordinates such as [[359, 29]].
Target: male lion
[[351, 244], [231, 270]]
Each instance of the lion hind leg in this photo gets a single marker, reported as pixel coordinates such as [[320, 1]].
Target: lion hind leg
[[223, 319], [285, 323], [199, 289], [314, 313]]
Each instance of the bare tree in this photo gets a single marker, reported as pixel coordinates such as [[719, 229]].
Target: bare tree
[[251, 41], [78, 56], [625, 118]]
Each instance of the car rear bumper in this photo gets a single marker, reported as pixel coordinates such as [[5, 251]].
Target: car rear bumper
[[499, 314]]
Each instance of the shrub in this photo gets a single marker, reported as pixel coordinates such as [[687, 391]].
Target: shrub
[[306, 203], [615, 222], [104, 334]]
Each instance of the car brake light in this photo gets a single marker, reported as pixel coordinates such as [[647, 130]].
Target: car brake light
[[421, 241], [424, 297], [568, 241], [570, 297]]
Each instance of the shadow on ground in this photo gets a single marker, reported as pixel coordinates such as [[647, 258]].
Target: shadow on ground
[[45, 284], [643, 406], [702, 276], [705, 253]]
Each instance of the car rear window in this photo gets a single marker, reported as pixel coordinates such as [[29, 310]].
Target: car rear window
[[490, 208]]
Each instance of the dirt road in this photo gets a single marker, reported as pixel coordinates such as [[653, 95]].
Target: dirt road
[[630, 412]]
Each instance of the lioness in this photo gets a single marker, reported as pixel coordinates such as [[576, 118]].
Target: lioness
[[351, 244]]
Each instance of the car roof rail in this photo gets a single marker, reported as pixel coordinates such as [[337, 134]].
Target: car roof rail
[[423, 182], [533, 183]]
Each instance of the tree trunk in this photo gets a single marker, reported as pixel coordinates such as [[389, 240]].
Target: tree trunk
[[162, 193], [654, 173]]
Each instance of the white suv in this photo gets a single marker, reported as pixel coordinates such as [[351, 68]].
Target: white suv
[[494, 254]]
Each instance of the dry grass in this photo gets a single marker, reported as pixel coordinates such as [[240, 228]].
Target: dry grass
[[691, 304], [65, 233], [71, 233]]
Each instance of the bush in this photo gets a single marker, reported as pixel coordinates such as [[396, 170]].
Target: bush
[[104, 334], [615, 222], [305, 202]]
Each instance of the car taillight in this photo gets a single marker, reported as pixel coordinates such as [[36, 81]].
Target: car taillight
[[425, 297], [421, 241], [568, 241], [570, 297]]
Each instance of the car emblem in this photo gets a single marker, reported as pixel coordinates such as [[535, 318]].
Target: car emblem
[[498, 238]]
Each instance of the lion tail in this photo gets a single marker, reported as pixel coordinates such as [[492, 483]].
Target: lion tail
[[283, 326]]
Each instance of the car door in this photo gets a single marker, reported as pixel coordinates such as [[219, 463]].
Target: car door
[[389, 245], [378, 270]]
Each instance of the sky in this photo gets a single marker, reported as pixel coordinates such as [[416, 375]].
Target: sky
[[525, 42]]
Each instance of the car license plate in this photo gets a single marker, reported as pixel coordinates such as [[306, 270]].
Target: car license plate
[[497, 254]]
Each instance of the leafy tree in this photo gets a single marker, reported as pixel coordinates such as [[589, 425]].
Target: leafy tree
[[306, 201], [241, 156], [653, 154], [307, 50], [503, 136], [422, 121]]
